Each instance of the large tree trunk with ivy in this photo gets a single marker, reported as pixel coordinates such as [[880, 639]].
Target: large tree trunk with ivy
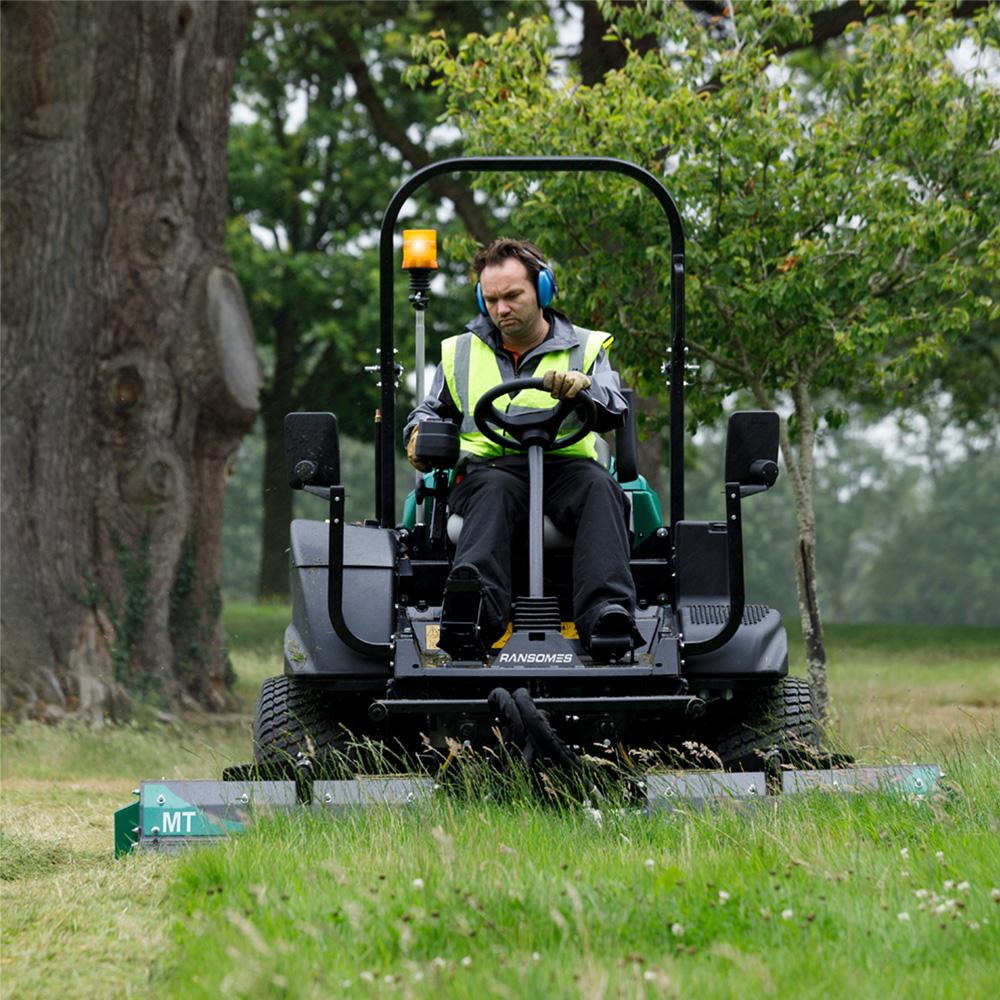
[[129, 367]]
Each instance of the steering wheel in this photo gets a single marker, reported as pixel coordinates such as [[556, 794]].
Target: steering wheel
[[539, 427]]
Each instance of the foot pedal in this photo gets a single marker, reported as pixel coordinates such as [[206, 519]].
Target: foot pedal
[[463, 601], [537, 614], [613, 635], [610, 647]]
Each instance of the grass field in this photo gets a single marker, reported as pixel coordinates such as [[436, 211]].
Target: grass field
[[519, 899]]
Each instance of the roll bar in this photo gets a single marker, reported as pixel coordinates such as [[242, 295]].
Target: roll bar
[[385, 472]]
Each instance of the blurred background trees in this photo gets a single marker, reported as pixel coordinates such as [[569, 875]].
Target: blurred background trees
[[309, 50], [835, 164]]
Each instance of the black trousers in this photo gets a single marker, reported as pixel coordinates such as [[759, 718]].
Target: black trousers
[[580, 498]]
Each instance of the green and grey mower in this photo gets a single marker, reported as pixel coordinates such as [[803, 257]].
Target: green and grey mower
[[362, 667]]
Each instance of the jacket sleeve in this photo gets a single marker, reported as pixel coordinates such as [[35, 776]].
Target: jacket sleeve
[[605, 391], [436, 405]]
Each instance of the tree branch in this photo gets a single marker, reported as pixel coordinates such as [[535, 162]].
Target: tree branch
[[718, 360], [833, 21], [392, 132]]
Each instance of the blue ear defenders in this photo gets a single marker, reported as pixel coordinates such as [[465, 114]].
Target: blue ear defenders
[[545, 288]]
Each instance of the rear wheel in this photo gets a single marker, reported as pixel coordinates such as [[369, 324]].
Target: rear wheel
[[298, 721], [779, 722]]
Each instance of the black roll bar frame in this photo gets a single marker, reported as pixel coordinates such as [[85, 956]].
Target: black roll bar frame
[[385, 511]]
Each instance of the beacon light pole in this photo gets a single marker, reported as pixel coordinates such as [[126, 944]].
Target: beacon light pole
[[420, 259]]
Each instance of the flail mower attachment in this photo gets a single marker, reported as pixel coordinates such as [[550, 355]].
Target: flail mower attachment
[[170, 815]]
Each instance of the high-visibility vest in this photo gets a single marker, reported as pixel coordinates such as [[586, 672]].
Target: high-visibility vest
[[471, 369]]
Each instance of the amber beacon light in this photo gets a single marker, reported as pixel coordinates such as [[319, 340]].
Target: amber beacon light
[[420, 249], [420, 260]]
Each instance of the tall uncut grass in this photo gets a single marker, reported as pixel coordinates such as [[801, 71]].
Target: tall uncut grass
[[517, 895], [821, 895]]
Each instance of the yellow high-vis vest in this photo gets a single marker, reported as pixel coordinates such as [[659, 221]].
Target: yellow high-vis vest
[[471, 369]]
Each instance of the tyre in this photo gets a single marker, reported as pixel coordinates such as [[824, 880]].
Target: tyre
[[779, 722], [297, 720]]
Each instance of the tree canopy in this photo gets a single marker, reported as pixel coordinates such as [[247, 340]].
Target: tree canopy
[[839, 229], [324, 132]]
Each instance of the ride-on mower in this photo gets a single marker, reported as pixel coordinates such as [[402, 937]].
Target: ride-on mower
[[362, 665]]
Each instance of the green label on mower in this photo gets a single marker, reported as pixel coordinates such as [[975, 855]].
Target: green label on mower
[[166, 814]]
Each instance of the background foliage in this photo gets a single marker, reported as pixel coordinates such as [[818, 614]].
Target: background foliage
[[841, 234]]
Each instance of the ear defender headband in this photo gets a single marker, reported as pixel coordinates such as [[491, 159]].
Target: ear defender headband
[[544, 281]]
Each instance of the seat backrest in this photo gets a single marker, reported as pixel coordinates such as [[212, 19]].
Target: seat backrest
[[627, 444]]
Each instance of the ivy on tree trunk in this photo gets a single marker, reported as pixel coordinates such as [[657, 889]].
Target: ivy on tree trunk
[[129, 366]]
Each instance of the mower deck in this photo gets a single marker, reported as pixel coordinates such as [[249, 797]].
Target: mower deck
[[170, 815]]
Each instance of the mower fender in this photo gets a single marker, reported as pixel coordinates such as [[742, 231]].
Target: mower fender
[[311, 645], [758, 650]]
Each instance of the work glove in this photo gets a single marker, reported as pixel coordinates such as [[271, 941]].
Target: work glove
[[565, 385], [411, 452]]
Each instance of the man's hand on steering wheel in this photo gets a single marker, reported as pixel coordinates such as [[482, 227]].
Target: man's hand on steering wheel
[[565, 385], [521, 430]]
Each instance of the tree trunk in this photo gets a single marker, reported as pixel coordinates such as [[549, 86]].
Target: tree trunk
[[130, 373], [277, 506], [279, 398], [801, 471]]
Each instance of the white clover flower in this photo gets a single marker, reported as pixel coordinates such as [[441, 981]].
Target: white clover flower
[[949, 884], [962, 886], [765, 913], [940, 908], [439, 962], [905, 854], [973, 925], [649, 975], [677, 930], [466, 961], [939, 855], [649, 863], [418, 976], [787, 914], [904, 873], [535, 957], [368, 977], [903, 917], [921, 893], [387, 979], [418, 883], [723, 897], [995, 895]]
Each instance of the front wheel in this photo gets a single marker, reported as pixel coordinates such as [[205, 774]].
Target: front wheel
[[300, 723], [781, 719]]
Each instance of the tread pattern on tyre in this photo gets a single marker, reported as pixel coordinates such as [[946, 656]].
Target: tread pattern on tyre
[[295, 717], [781, 717]]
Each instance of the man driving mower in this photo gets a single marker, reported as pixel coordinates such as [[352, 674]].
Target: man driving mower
[[517, 334]]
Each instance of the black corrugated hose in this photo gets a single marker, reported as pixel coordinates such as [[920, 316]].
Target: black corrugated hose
[[523, 725]]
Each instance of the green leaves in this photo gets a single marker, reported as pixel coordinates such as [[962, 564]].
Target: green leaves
[[826, 221]]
